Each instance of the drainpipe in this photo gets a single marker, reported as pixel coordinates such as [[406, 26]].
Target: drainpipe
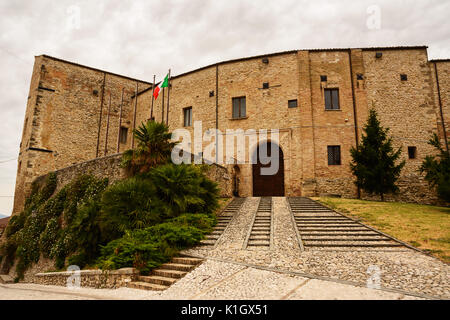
[[440, 106], [355, 121]]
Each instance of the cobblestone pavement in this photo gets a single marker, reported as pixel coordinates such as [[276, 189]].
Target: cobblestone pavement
[[400, 268], [212, 280]]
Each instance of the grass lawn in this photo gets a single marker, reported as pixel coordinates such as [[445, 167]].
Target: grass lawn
[[422, 226]]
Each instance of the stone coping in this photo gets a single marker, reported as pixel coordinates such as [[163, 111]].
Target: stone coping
[[123, 271]]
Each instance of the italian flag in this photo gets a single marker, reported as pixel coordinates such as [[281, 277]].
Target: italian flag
[[163, 84]]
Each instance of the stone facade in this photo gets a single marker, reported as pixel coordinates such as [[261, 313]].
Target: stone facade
[[68, 118]]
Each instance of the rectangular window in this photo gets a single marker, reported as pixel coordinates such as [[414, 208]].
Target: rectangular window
[[412, 151], [331, 99], [239, 108], [123, 135], [334, 155], [187, 114], [292, 103]]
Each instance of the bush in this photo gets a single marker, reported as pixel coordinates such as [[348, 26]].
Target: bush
[[150, 247], [184, 188], [129, 204]]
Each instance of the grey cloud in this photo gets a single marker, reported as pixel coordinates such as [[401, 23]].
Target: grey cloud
[[142, 38]]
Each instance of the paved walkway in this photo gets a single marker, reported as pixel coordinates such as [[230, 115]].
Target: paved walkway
[[213, 280]]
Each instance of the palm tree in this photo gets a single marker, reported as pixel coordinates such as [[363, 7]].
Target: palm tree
[[153, 147]]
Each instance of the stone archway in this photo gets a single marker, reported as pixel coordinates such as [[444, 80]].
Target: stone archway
[[268, 185]]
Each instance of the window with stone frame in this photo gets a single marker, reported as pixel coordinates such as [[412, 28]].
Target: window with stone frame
[[123, 135], [187, 117], [331, 99], [334, 155], [239, 107]]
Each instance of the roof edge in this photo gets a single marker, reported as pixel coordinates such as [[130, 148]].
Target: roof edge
[[439, 60], [92, 68]]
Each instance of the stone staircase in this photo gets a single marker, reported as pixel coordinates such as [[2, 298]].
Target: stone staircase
[[262, 225], [223, 220], [166, 275]]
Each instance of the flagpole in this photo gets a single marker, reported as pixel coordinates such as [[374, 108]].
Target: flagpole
[[162, 107], [153, 98], [168, 98]]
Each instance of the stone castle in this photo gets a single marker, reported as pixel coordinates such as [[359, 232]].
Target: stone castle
[[318, 99]]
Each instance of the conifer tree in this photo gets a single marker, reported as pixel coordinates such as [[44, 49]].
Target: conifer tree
[[374, 160], [437, 169]]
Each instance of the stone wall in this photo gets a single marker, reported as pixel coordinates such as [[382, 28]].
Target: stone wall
[[71, 122], [89, 278], [109, 167], [104, 167]]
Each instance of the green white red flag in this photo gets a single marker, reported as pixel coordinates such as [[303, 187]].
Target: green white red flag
[[163, 84]]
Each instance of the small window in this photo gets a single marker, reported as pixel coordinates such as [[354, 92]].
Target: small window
[[239, 107], [265, 85], [331, 99], [187, 115], [378, 55], [403, 77], [211, 93], [292, 103], [323, 78], [334, 155], [412, 152], [123, 135], [359, 76]]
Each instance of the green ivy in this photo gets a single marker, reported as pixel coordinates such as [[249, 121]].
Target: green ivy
[[45, 225]]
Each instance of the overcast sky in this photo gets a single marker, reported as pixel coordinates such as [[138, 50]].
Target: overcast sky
[[142, 38]]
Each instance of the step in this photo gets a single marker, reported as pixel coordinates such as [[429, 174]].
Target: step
[[329, 229], [259, 232], [146, 286], [260, 229], [187, 260], [368, 245], [177, 266], [4, 278], [165, 281], [207, 242], [252, 237], [258, 243], [169, 273]]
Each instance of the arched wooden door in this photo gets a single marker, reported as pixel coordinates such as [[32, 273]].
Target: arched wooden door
[[268, 185]]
